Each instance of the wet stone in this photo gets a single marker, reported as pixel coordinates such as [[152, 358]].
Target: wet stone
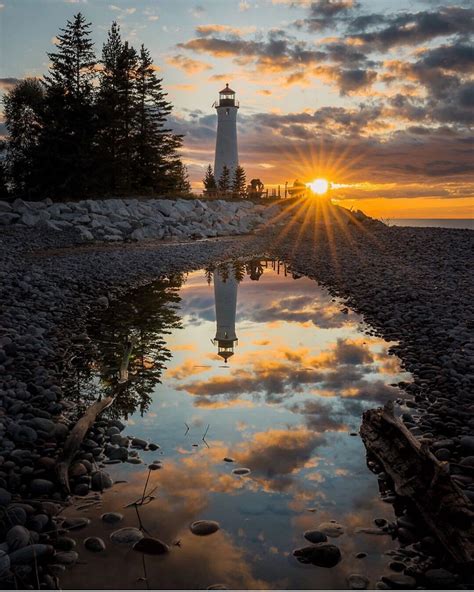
[[101, 480], [204, 527], [331, 529], [66, 557], [94, 544], [112, 517], [41, 487], [315, 536], [151, 546], [241, 471], [126, 536], [17, 538], [399, 581], [440, 579], [65, 543], [75, 523], [30, 554], [357, 582], [322, 555]]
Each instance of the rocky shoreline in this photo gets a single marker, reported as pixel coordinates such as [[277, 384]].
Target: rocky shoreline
[[411, 285]]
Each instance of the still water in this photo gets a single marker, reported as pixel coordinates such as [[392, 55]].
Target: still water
[[250, 362]]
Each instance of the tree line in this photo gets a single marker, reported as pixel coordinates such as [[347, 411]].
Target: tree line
[[231, 185], [92, 127]]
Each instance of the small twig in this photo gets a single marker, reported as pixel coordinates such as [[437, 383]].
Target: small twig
[[205, 433], [187, 428]]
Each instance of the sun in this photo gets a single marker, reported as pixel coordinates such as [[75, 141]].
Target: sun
[[319, 186]]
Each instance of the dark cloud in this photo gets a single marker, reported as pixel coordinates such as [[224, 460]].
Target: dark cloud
[[326, 13], [354, 80], [412, 28]]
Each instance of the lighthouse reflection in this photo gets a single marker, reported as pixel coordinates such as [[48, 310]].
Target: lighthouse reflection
[[225, 295]]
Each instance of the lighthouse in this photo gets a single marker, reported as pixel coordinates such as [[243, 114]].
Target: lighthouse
[[226, 140], [225, 295]]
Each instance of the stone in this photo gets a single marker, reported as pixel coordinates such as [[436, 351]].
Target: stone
[[440, 579], [322, 555], [112, 517], [101, 480], [17, 538], [139, 443], [357, 582], [241, 471], [4, 564], [41, 487], [126, 536], [66, 557], [204, 527], [94, 544], [151, 546], [315, 536], [5, 497], [30, 554], [400, 581], [331, 529], [75, 523]]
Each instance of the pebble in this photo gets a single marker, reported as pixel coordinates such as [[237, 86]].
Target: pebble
[[331, 529], [94, 544], [126, 536], [151, 546], [241, 471], [440, 579], [66, 557], [101, 480], [31, 553], [315, 536], [41, 487], [76, 523], [204, 527], [322, 555], [17, 537], [112, 517], [357, 582], [400, 581]]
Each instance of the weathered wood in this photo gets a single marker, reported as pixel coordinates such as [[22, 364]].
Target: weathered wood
[[75, 439], [85, 423], [418, 475]]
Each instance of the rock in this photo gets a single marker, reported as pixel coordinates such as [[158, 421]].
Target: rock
[[30, 554], [41, 487], [101, 480], [75, 523], [400, 581], [467, 444], [151, 546], [440, 579], [126, 536], [4, 564], [112, 517], [315, 536], [357, 582], [81, 489], [64, 543], [242, 471], [139, 443], [94, 544], [331, 529], [5, 497], [153, 447], [66, 557], [322, 555], [103, 302], [228, 459], [18, 537], [16, 515], [204, 527]]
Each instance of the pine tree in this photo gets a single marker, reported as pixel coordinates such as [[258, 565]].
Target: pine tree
[[24, 106], [239, 183], [209, 182], [69, 118], [158, 165], [224, 181]]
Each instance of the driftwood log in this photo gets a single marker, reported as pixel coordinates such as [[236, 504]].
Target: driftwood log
[[85, 423], [418, 475]]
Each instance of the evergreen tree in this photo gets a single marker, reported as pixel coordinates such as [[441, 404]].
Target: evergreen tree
[[239, 183], [109, 113], [157, 165], [224, 181], [24, 105], [69, 118], [209, 182]]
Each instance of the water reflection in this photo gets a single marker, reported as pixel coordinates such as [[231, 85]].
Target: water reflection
[[284, 407]]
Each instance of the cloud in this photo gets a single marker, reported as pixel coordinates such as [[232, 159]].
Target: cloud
[[209, 30], [188, 65], [412, 28], [122, 11], [244, 6], [326, 13], [8, 83]]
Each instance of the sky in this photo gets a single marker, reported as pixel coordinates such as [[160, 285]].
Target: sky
[[374, 95]]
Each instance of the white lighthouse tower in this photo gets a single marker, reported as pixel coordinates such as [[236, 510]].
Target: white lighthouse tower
[[226, 141], [225, 295]]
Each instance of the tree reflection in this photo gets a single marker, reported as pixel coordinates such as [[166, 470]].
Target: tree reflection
[[253, 268], [132, 329]]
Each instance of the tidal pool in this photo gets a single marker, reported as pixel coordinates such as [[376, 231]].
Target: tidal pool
[[248, 362]]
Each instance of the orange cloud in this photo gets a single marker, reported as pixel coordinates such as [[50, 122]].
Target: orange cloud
[[188, 65]]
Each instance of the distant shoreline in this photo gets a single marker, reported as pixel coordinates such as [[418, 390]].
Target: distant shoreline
[[463, 223]]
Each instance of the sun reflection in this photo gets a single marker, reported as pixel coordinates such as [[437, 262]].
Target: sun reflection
[[319, 186]]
